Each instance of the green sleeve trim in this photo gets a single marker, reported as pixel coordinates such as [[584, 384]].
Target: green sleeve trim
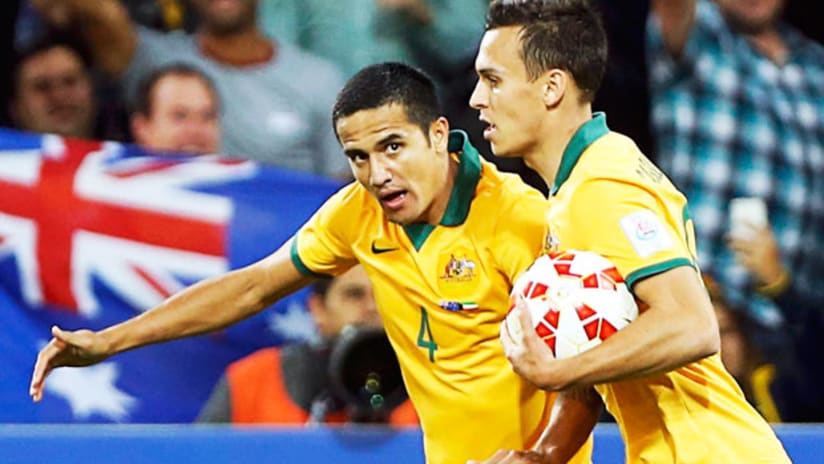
[[658, 268], [299, 263]]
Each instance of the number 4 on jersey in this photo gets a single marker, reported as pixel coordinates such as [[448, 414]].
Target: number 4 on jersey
[[425, 339]]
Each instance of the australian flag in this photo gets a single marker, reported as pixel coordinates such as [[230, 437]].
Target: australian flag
[[92, 233]]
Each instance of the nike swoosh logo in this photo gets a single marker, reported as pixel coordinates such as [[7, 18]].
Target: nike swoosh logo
[[378, 251]]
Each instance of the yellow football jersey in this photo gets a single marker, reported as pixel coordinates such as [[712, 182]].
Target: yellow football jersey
[[442, 292], [610, 199]]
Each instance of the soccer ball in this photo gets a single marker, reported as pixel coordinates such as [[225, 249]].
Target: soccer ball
[[576, 299]]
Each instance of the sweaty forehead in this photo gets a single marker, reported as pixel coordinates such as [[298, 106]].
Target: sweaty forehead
[[364, 128], [499, 49]]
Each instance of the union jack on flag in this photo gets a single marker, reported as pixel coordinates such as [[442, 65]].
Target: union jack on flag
[[92, 233]]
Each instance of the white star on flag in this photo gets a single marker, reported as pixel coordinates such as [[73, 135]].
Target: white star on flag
[[294, 324], [91, 390]]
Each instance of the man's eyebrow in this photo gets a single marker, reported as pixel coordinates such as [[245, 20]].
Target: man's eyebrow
[[391, 138], [486, 72], [352, 153]]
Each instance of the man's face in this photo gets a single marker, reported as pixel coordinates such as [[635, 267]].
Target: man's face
[[54, 94], [751, 16], [509, 103], [406, 170], [348, 301], [226, 16], [183, 117]]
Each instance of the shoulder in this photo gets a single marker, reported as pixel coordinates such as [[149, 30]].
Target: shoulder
[[265, 356], [351, 195], [615, 163], [164, 42], [612, 155], [351, 201], [513, 200]]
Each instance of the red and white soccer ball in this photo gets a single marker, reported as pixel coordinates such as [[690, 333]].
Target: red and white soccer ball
[[576, 299]]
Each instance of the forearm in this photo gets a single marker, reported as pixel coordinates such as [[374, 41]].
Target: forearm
[[679, 327], [105, 27], [574, 415], [204, 307]]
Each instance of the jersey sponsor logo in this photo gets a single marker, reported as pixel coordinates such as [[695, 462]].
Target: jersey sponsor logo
[[646, 233], [378, 250]]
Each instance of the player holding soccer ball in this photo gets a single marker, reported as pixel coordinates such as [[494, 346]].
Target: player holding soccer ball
[[539, 65], [441, 234]]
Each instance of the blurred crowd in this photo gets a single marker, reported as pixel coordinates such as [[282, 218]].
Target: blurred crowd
[[727, 97]]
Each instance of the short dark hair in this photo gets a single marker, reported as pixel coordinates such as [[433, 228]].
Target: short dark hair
[[562, 34], [42, 43], [321, 286], [386, 83], [142, 100]]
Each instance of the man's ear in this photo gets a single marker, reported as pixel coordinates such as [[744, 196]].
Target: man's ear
[[317, 309], [439, 134], [555, 82], [138, 123]]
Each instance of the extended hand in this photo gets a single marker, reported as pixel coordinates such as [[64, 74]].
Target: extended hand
[[79, 348], [516, 457]]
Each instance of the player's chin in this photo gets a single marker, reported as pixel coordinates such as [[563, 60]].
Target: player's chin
[[501, 150], [399, 217]]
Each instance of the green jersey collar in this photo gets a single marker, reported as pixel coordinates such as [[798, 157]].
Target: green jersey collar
[[591, 131], [469, 172]]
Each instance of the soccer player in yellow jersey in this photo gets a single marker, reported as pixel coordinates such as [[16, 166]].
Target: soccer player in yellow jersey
[[442, 235], [540, 63]]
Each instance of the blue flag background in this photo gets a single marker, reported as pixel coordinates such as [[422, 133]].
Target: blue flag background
[[94, 233]]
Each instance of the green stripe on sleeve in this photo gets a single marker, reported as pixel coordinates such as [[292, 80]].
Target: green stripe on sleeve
[[299, 263], [658, 268]]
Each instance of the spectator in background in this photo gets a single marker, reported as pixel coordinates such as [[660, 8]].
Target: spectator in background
[[738, 99], [803, 311], [435, 35], [52, 90], [276, 98], [771, 381], [291, 385], [177, 110]]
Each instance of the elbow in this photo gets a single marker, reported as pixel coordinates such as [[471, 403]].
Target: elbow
[[710, 342], [711, 345]]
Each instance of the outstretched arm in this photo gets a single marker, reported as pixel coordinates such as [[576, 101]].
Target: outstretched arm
[[104, 25], [204, 307]]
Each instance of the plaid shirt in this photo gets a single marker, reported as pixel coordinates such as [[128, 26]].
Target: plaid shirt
[[731, 123]]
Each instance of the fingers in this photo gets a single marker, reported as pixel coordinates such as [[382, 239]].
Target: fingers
[[529, 338], [45, 362], [44, 365]]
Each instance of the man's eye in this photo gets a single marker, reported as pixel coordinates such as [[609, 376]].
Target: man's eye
[[393, 147]]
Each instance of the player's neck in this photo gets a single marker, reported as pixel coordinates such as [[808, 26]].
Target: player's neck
[[546, 158], [438, 208]]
